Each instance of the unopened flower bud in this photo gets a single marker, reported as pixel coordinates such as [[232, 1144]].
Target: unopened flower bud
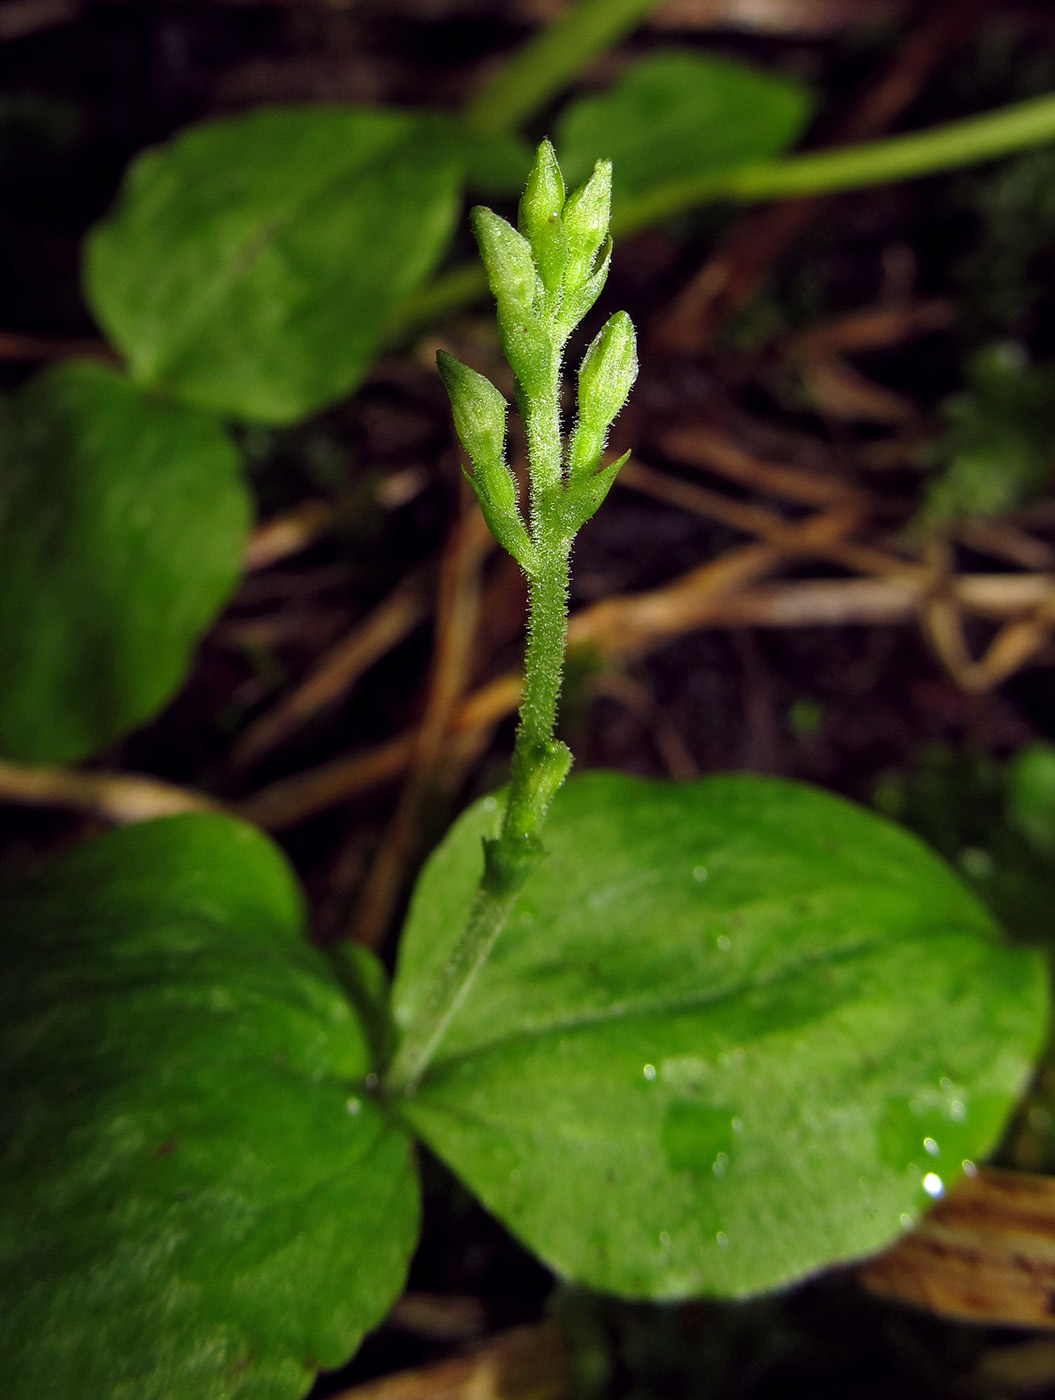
[[586, 217], [479, 411], [540, 216], [507, 258], [607, 373]]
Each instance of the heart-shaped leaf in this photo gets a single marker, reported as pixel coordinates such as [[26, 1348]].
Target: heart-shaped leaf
[[735, 1030], [198, 1199], [251, 264], [681, 115], [122, 528]]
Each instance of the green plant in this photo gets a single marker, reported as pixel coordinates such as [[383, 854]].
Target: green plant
[[995, 454], [253, 268], [696, 1039]]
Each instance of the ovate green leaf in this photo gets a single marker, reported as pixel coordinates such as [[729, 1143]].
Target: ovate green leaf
[[251, 264], [680, 115], [198, 1199], [122, 526], [735, 1030]]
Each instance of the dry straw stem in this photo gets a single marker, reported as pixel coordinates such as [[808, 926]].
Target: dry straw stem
[[1016, 643], [330, 681], [435, 765], [985, 1253], [730, 591], [287, 534], [1002, 540], [525, 1363], [841, 391], [718, 594], [615, 627], [752, 244], [702, 448], [112, 797], [715, 595]]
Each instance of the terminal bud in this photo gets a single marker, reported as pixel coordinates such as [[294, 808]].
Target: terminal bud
[[540, 216]]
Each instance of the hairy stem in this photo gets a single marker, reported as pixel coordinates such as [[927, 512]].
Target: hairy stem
[[508, 859], [539, 765], [487, 919]]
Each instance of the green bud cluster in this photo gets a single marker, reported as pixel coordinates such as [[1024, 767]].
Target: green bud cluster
[[545, 275]]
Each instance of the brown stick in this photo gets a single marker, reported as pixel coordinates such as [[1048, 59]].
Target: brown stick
[[113, 797], [525, 1363], [702, 448], [288, 533], [469, 545], [735, 270], [985, 1253], [373, 637]]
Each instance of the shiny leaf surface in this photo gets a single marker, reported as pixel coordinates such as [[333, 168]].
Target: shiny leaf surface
[[122, 528], [736, 1030], [198, 1199], [680, 115], [251, 264]]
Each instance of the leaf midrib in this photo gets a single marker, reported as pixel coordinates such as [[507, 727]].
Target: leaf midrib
[[238, 266], [670, 1007]]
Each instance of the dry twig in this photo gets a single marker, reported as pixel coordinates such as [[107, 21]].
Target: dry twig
[[338, 671], [985, 1253], [469, 545], [113, 797], [525, 1363], [733, 273]]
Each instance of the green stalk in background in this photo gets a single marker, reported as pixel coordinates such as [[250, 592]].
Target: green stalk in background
[[1017, 127], [545, 278], [559, 52], [907, 157]]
